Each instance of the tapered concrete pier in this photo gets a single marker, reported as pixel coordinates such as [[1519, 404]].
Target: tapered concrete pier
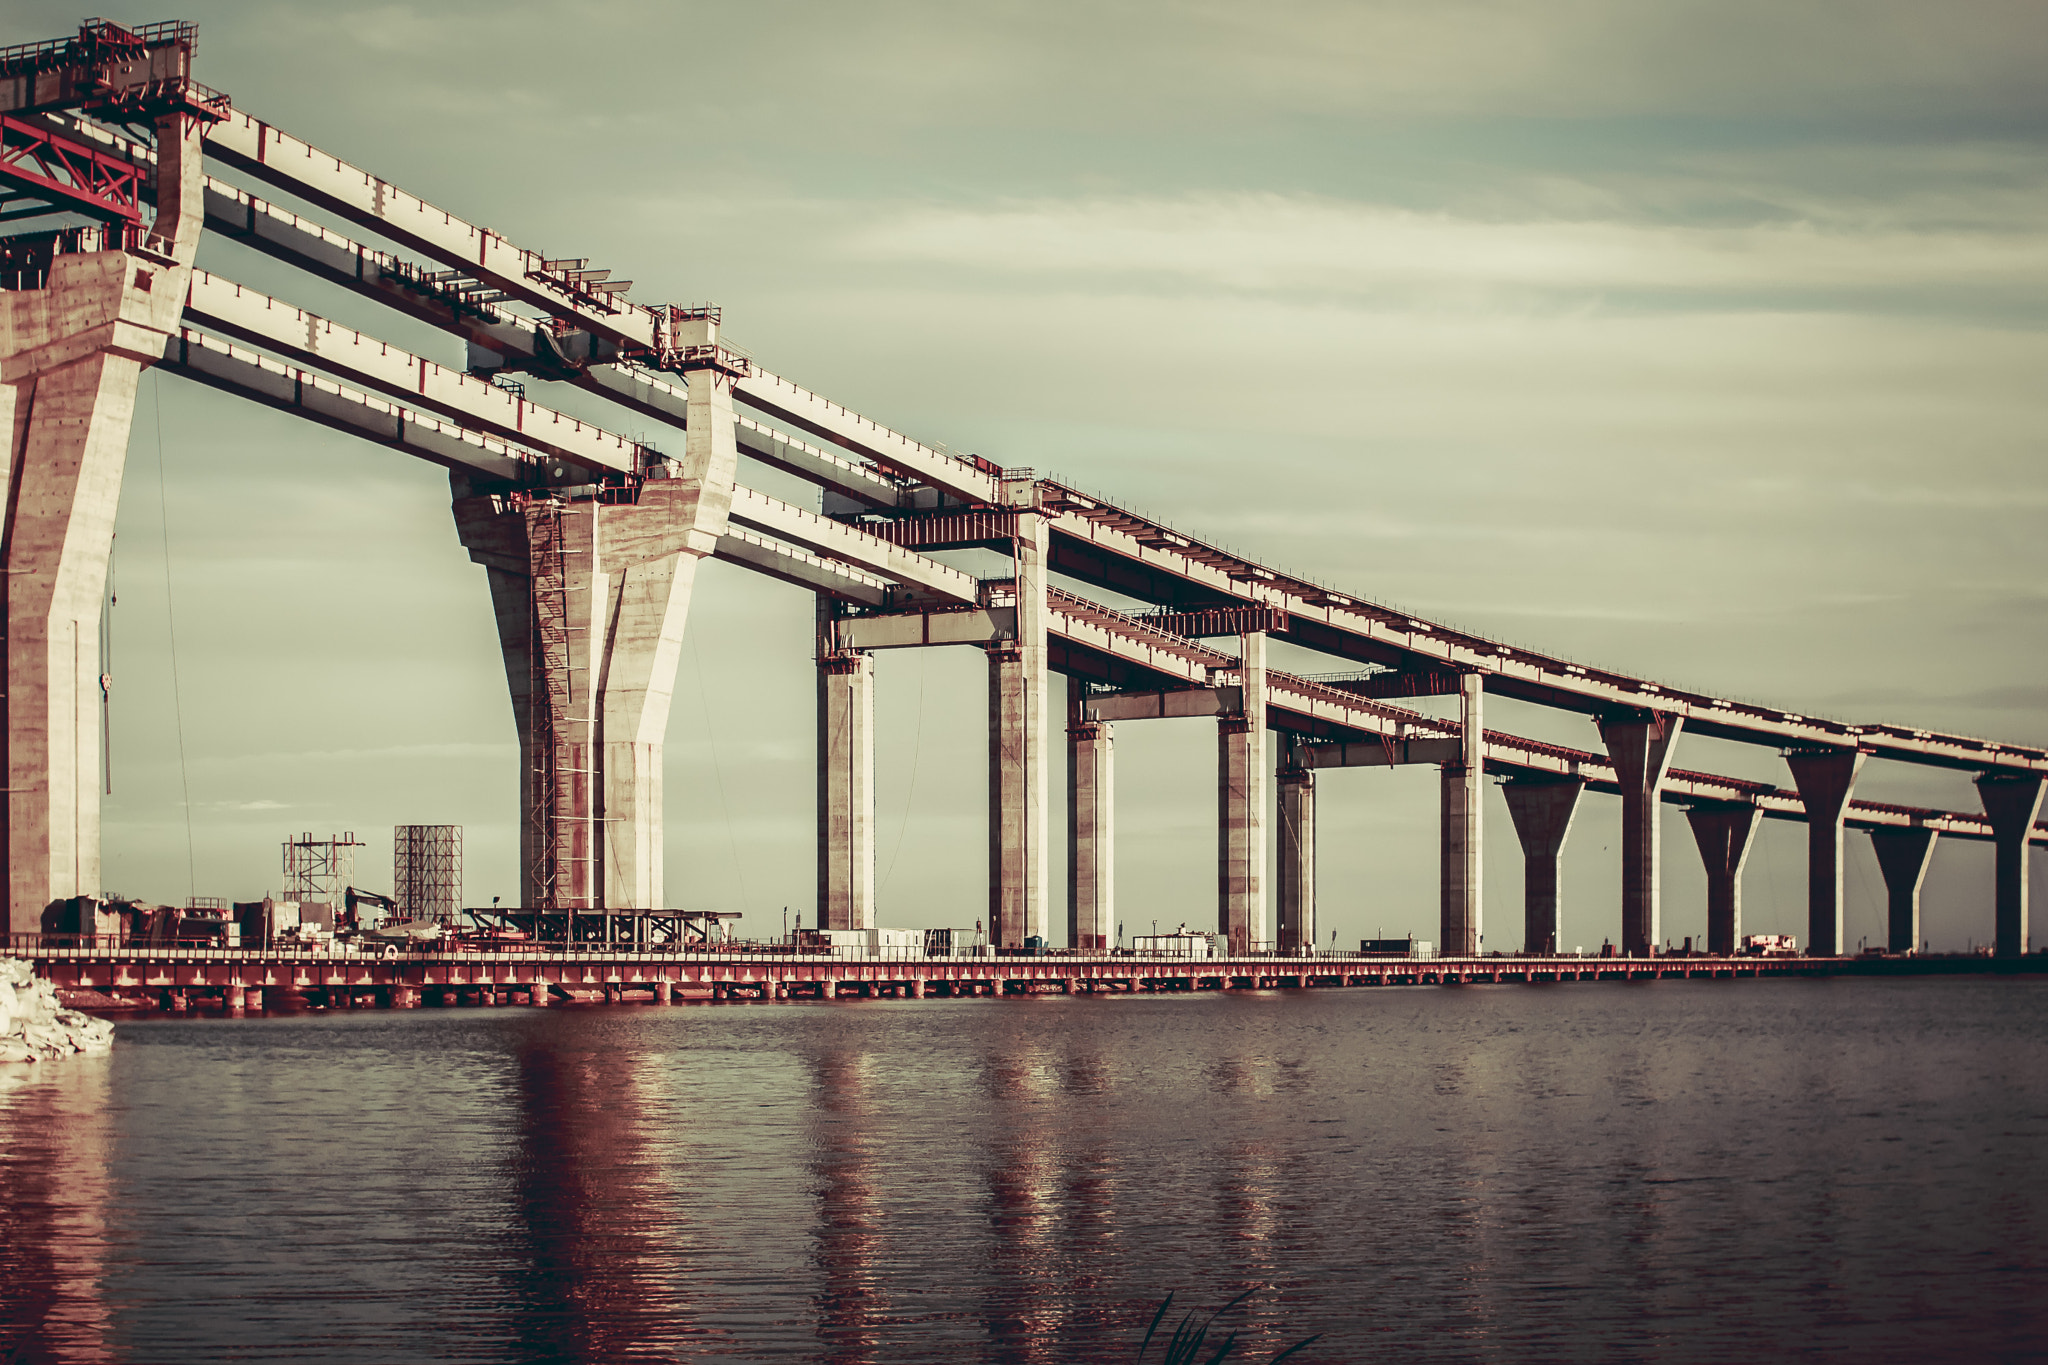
[[1091, 827], [591, 595], [1723, 831], [1542, 809], [1461, 825], [1242, 774], [2012, 804], [1019, 851], [1640, 745], [1903, 856], [1297, 865], [846, 780], [71, 356], [1824, 777]]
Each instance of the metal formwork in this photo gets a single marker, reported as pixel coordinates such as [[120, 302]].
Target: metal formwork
[[426, 871]]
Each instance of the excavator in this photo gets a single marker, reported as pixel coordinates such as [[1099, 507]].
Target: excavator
[[388, 928]]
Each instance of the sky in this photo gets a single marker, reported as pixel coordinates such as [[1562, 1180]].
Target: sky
[[1700, 340]]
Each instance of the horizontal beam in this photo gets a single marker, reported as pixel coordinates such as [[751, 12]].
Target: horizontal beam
[[1170, 705], [1379, 753], [800, 568], [837, 540], [906, 630]]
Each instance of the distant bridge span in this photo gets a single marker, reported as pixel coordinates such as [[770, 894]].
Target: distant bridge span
[[590, 541]]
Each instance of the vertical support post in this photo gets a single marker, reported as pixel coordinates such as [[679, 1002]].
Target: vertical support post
[[591, 599], [1723, 830], [1297, 866], [1019, 857], [1824, 778], [1461, 826], [1091, 825], [1903, 856], [1542, 807], [71, 358], [1640, 745], [2012, 802], [1242, 772], [846, 780]]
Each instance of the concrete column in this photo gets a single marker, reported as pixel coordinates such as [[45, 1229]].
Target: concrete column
[[1640, 745], [1243, 771], [1903, 855], [1461, 826], [1723, 830], [591, 600], [1824, 778], [1542, 808], [1019, 849], [71, 355], [2012, 802], [846, 781], [1297, 867], [1091, 827]]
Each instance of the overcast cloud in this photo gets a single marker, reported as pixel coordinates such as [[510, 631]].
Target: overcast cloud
[[1703, 340]]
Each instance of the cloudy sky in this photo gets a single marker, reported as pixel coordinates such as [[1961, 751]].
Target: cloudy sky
[[1704, 340]]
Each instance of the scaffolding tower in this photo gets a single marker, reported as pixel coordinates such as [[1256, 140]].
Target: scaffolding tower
[[317, 870], [560, 726], [426, 871]]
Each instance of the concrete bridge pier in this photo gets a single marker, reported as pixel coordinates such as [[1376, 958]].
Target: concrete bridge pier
[[1824, 778], [71, 356], [1461, 826], [1640, 745], [1723, 831], [1903, 856], [1297, 866], [591, 599], [846, 780], [1020, 859], [1242, 772], [1091, 827], [1542, 808], [2012, 803]]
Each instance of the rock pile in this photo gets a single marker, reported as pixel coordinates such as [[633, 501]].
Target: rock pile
[[34, 1026]]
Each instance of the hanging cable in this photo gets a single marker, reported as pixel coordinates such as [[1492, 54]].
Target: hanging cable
[[171, 620]]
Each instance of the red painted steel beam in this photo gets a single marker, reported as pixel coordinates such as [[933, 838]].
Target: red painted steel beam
[[71, 175]]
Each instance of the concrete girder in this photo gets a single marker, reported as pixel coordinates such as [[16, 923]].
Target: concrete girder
[[1541, 808], [1243, 772], [2011, 803], [1019, 855], [1461, 827], [1373, 753], [1091, 827], [800, 568], [1177, 703], [1723, 832], [909, 630], [1903, 856], [1824, 777], [846, 779], [855, 547], [1640, 745], [71, 356]]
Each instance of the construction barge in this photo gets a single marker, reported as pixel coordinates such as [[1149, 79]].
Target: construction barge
[[185, 978]]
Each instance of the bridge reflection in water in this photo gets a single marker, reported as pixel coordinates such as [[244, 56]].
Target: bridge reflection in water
[[56, 1193]]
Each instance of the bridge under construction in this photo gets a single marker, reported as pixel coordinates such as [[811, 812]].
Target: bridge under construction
[[590, 540]]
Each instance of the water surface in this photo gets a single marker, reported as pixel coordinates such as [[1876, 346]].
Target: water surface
[[1830, 1170]]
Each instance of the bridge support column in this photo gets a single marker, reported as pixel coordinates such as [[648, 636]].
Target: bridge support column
[[1542, 808], [1020, 861], [1297, 866], [1723, 831], [1824, 778], [2012, 804], [846, 781], [591, 600], [1091, 828], [1640, 745], [1461, 827], [1903, 856], [71, 356], [1242, 772]]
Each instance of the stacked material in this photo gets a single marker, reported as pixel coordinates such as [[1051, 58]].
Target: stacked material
[[34, 1026]]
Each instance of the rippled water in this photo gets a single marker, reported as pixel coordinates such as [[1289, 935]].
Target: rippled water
[[1721, 1171]]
